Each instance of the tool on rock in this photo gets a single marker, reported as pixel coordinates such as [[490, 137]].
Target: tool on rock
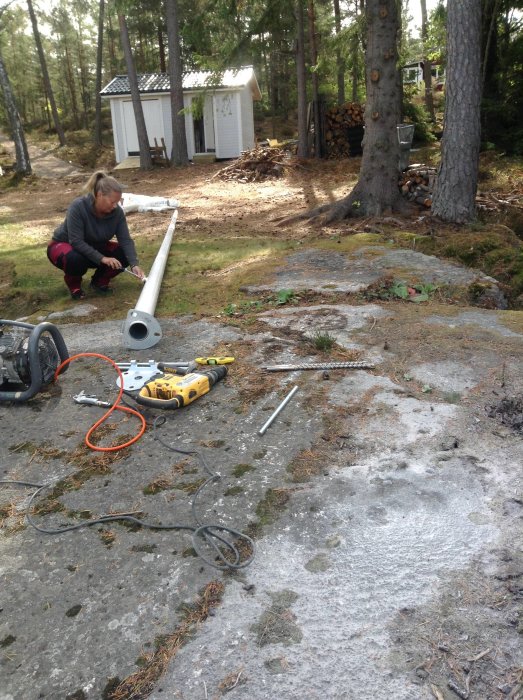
[[174, 391], [29, 357], [214, 360], [84, 398], [136, 374], [285, 401], [320, 365]]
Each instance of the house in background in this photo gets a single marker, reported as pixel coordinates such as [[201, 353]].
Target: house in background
[[413, 74], [219, 116]]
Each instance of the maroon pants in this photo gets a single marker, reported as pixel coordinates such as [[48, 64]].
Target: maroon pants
[[75, 265]]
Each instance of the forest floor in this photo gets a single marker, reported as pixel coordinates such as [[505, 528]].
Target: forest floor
[[386, 504]]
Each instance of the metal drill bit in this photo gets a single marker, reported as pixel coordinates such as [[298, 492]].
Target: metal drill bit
[[142, 279], [319, 365]]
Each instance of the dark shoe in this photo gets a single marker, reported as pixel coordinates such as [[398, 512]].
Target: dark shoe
[[102, 288], [77, 294]]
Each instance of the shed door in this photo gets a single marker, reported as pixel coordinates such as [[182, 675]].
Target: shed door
[[227, 121], [208, 124], [153, 123]]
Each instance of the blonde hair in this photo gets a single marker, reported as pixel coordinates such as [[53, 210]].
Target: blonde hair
[[101, 182]]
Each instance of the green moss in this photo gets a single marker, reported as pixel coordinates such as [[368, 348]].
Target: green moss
[[147, 548], [241, 469], [190, 486], [452, 397], [272, 504], [253, 530], [7, 641], [233, 491], [73, 612], [48, 505]]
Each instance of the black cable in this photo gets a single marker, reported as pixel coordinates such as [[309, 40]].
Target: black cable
[[209, 534]]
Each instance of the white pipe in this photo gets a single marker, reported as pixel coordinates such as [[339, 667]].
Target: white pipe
[[141, 330]]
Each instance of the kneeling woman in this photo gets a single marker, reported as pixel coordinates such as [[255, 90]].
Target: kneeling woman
[[84, 239]]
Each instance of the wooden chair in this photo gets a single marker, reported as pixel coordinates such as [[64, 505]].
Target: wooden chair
[[159, 152]]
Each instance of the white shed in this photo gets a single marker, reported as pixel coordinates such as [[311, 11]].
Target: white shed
[[221, 123]]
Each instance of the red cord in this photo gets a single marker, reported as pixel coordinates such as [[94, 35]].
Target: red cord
[[115, 407]]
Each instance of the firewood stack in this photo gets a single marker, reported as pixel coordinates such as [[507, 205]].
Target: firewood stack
[[261, 163], [417, 183], [344, 130]]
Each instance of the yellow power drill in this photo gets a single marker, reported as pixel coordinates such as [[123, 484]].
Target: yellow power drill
[[175, 391]]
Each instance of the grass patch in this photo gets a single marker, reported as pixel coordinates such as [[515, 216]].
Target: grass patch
[[323, 341], [494, 249], [197, 276]]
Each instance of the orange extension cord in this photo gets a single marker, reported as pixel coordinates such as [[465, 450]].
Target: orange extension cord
[[115, 407]]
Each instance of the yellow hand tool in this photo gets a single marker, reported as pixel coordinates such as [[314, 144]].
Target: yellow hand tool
[[214, 360], [173, 391]]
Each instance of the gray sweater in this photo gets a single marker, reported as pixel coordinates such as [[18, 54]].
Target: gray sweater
[[87, 232]]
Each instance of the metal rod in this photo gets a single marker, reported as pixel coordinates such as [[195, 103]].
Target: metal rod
[[282, 405], [141, 330], [320, 365]]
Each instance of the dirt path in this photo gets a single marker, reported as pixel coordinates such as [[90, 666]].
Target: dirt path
[[45, 164]]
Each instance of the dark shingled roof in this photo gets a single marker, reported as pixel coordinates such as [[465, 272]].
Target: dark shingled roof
[[195, 80]]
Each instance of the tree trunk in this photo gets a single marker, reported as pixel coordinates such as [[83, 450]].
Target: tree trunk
[[273, 90], [85, 74], [45, 74], [111, 33], [340, 63], [456, 185], [98, 87], [23, 164], [354, 48], [303, 138], [71, 83], [179, 153], [427, 65], [161, 50], [377, 191], [318, 146], [146, 162]]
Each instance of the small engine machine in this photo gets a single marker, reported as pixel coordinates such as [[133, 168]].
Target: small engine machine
[[29, 357]]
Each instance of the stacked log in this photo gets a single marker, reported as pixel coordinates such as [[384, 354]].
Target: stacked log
[[260, 163], [344, 130], [417, 183]]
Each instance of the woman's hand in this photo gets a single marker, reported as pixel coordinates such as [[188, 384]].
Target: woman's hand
[[113, 263], [138, 271]]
